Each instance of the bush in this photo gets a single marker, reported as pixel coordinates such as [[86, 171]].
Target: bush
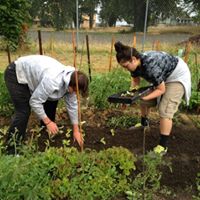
[[6, 107], [104, 85], [66, 173], [198, 187]]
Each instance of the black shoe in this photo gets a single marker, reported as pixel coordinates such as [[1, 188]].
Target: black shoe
[[144, 121]]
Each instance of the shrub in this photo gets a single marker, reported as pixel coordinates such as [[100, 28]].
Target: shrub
[[104, 85], [66, 173], [6, 107]]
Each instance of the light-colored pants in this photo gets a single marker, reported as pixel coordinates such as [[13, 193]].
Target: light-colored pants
[[170, 100]]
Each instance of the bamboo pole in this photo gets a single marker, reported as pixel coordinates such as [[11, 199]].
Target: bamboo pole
[[134, 40], [111, 51], [40, 42], [153, 45], [81, 58], [157, 45], [88, 56], [187, 51], [77, 88]]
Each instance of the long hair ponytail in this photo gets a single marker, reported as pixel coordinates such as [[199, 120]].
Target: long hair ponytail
[[124, 53]]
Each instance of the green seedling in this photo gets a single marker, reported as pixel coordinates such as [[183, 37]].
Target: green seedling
[[112, 132], [103, 140]]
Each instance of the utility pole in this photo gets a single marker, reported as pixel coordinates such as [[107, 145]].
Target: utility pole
[[77, 25], [145, 24]]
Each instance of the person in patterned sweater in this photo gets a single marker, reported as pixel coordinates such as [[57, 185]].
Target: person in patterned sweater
[[171, 78]]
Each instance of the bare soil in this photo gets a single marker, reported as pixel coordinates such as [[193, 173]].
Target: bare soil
[[183, 152]]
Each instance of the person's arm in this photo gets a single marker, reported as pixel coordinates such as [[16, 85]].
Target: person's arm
[[39, 96], [72, 108], [160, 89]]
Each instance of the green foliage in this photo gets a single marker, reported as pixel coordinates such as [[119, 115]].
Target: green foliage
[[13, 14], [194, 100], [122, 121], [66, 173], [198, 187], [88, 7], [6, 107], [147, 183], [92, 175], [195, 78], [26, 177], [107, 84]]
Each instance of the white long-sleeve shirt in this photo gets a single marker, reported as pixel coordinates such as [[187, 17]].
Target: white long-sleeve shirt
[[47, 79]]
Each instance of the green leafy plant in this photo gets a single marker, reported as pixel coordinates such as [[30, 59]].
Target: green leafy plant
[[147, 183], [6, 107], [13, 15], [92, 175], [197, 197], [104, 85], [59, 173], [122, 121]]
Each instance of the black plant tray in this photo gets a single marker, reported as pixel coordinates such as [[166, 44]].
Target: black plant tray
[[125, 98]]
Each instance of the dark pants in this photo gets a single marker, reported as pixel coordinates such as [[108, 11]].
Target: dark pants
[[20, 95]]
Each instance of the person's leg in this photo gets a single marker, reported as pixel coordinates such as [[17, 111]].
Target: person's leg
[[145, 107], [167, 108], [50, 110], [20, 96], [145, 110]]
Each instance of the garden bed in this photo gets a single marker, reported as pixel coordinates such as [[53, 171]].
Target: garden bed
[[183, 153]]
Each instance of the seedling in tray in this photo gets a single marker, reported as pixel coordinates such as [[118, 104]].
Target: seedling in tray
[[130, 97]]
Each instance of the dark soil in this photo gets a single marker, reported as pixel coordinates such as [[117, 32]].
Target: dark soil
[[183, 152]]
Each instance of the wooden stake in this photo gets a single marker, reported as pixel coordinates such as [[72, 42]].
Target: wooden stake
[[8, 52], [40, 42], [77, 88], [134, 40], [88, 56], [153, 45], [81, 58], [74, 47], [111, 50], [187, 51], [157, 45]]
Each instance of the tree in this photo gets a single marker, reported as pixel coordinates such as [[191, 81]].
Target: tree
[[110, 12], [88, 7], [13, 17], [55, 13], [193, 7]]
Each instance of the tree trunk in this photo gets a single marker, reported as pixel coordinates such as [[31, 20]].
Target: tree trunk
[[91, 20]]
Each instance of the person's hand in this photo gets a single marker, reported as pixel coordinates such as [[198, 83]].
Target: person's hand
[[52, 128], [123, 106], [79, 138]]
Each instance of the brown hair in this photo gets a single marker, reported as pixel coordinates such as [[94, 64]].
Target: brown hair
[[83, 82], [125, 53]]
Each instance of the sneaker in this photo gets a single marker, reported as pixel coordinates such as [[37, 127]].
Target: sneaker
[[160, 150], [136, 126], [139, 126]]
